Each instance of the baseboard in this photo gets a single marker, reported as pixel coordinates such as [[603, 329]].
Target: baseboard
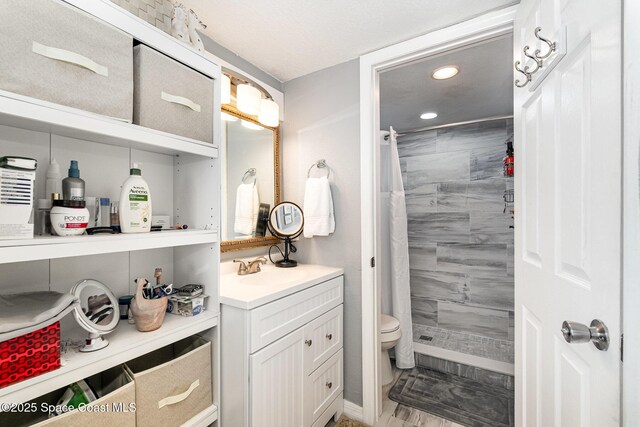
[[353, 411], [467, 359]]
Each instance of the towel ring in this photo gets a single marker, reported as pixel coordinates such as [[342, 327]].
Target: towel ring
[[249, 173], [320, 164]]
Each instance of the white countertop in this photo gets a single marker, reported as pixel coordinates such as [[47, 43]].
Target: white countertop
[[272, 283]]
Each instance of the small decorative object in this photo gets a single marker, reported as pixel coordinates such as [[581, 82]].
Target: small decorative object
[[195, 24], [180, 23], [148, 314]]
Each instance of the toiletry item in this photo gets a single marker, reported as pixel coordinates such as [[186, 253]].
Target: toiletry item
[[191, 290], [158, 275], [124, 302], [164, 221], [18, 163], [78, 394], [115, 217], [135, 203], [93, 206], [105, 214], [16, 198], [43, 219], [73, 186], [53, 183], [186, 306], [69, 217]]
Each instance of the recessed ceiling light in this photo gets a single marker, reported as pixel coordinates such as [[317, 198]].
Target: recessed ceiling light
[[445, 72], [428, 116]]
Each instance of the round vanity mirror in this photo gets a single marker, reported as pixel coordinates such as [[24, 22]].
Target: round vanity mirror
[[97, 312], [286, 222]]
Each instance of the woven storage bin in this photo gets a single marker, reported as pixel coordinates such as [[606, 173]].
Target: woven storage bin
[[173, 384], [148, 314], [155, 12]]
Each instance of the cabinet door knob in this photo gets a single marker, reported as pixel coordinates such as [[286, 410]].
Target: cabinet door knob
[[329, 336], [308, 342], [329, 384]]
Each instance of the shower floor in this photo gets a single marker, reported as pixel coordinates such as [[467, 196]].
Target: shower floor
[[461, 342]]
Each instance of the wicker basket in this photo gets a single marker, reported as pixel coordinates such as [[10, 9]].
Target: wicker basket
[[148, 314], [155, 12]]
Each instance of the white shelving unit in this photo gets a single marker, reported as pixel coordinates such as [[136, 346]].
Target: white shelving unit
[[185, 180]]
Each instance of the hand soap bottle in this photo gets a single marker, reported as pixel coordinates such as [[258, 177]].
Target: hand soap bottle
[[135, 203]]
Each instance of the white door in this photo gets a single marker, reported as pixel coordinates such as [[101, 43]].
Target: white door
[[568, 216], [276, 383]]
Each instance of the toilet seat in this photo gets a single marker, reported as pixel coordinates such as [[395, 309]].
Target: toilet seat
[[389, 324]]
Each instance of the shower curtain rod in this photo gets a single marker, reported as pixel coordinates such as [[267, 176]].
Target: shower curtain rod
[[488, 119]]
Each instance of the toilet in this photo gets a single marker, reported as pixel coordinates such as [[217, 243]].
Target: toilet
[[390, 333]]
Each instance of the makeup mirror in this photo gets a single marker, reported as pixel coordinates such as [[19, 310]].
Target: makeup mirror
[[286, 222], [97, 312]]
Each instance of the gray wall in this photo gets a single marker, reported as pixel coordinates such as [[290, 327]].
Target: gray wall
[[460, 243], [323, 122]]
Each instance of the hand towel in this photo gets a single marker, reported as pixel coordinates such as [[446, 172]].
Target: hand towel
[[318, 208], [247, 208]]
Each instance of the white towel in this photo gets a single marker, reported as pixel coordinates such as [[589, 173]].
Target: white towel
[[318, 208], [247, 208]]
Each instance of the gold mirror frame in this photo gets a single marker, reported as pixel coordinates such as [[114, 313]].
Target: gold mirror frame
[[255, 242]]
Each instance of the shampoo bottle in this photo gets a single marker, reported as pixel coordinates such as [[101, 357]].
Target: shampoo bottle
[[73, 186], [53, 184], [135, 203]]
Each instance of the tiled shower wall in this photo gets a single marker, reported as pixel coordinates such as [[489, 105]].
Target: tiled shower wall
[[460, 241]]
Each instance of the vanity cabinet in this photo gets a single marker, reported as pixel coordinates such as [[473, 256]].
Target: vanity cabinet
[[283, 359]]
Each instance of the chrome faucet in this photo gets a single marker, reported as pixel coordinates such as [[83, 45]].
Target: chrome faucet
[[251, 267], [254, 266]]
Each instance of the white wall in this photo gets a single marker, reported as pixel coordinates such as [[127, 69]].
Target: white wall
[[322, 111]]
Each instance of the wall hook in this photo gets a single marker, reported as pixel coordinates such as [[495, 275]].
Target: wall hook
[[535, 59], [551, 46], [526, 74]]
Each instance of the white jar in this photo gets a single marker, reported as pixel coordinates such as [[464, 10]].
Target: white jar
[[69, 217]]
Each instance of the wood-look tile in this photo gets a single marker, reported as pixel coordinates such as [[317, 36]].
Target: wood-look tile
[[472, 258], [477, 320], [439, 227], [422, 255], [486, 195], [510, 259], [492, 292], [424, 311], [439, 285], [439, 167], [470, 136], [491, 227], [420, 202], [487, 162], [512, 326], [417, 144]]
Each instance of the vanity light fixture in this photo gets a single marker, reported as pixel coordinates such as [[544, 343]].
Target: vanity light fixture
[[248, 99], [225, 89], [445, 72], [269, 113], [428, 116], [250, 125], [228, 117]]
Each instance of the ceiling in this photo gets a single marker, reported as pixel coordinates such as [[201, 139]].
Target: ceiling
[[482, 89], [292, 38]]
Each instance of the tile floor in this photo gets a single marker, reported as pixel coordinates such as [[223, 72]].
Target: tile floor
[[396, 415]]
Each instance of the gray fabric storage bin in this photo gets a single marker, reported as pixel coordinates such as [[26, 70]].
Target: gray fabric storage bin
[[166, 93], [173, 384], [56, 29], [115, 391]]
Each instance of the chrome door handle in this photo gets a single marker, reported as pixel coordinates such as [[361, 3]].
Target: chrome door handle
[[576, 333], [308, 342]]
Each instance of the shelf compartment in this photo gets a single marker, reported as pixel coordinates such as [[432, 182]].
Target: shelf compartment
[[51, 247], [204, 418], [125, 343], [33, 114]]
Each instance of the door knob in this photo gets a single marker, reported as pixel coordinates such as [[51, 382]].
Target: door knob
[[308, 342], [329, 385], [329, 336], [597, 333]]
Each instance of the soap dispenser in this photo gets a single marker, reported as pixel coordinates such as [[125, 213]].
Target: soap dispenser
[[135, 203]]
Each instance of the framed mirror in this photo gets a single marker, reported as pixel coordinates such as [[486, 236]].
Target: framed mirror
[[251, 180]]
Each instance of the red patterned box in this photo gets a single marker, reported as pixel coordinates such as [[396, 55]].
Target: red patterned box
[[30, 355]]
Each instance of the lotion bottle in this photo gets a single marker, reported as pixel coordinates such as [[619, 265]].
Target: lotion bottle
[[135, 203]]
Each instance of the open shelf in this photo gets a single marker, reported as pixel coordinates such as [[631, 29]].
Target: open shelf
[[50, 247], [33, 114], [204, 418], [125, 343]]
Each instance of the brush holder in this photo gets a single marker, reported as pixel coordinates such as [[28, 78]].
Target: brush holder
[[148, 314]]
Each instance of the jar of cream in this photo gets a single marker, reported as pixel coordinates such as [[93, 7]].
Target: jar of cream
[[69, 217]]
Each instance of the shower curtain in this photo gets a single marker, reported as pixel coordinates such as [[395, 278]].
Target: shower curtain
[[400, 289]]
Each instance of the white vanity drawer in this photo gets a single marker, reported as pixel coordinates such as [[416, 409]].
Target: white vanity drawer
[[171, 97], [275, 320], [322, 387], [54, 52], [323, 337]]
